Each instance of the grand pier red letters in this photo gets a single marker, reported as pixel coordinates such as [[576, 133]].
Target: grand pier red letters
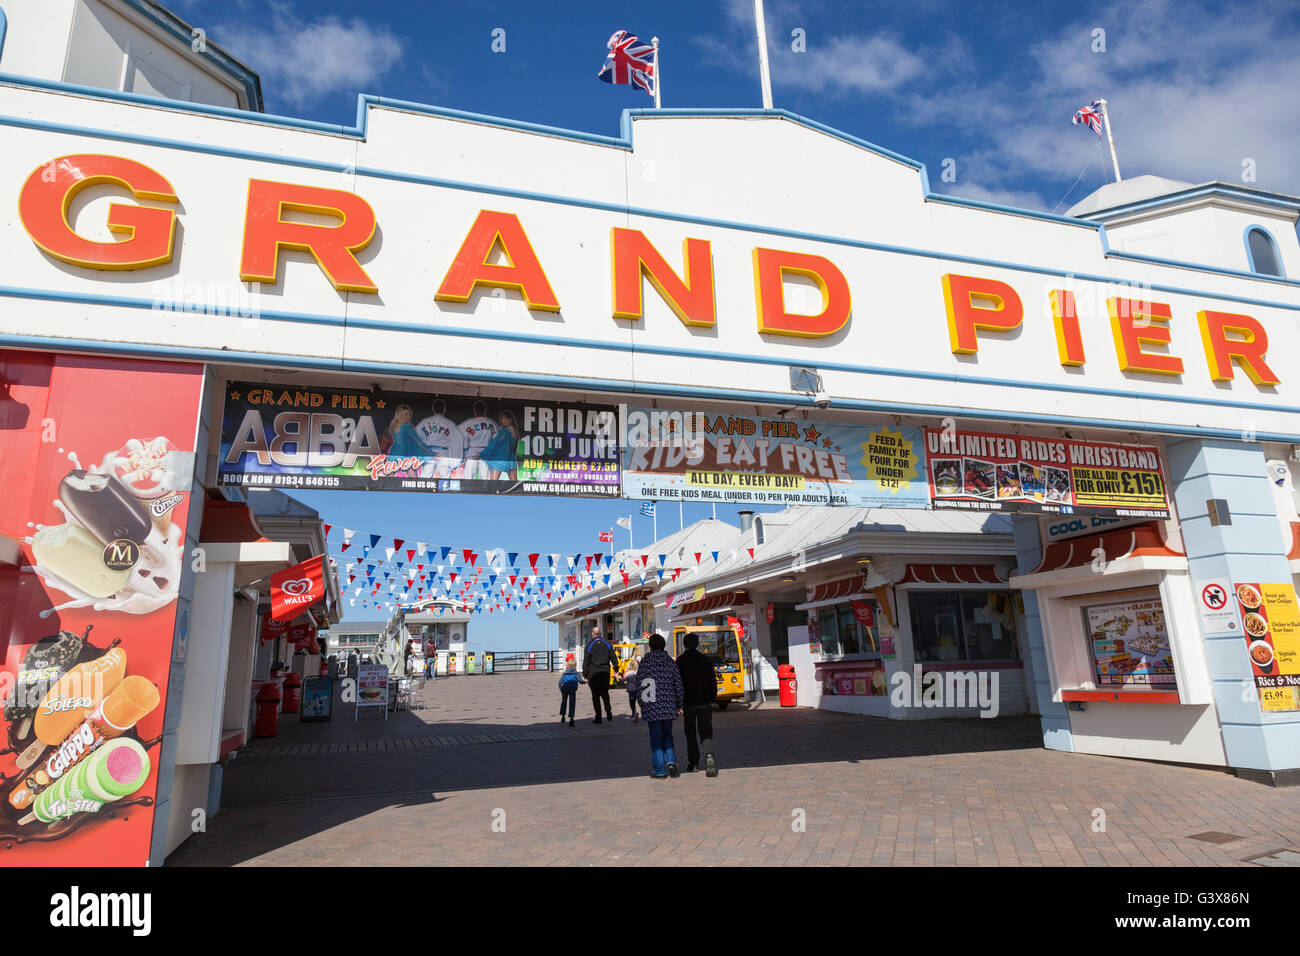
[[973, 304]]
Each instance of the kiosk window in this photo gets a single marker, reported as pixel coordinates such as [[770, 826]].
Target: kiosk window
[[1129, 643], [963, 625]]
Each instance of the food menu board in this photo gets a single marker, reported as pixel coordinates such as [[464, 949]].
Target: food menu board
[[287, 436], [97, 464], [1130, 644], [372, 685], [982, 471], [739, 459], [1270, 619]]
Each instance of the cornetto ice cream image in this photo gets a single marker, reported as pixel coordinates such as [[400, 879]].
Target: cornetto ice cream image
[[117, 549]]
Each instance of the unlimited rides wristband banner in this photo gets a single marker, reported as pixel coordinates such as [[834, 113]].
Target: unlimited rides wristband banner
[[295, 437], [97, 463]]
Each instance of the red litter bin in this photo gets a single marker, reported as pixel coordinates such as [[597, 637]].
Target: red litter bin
[[268, 710], [785, 677], [292, 693]]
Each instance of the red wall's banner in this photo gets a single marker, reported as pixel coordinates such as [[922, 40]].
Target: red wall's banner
[[295, 589], [981, 471], [96, 462]]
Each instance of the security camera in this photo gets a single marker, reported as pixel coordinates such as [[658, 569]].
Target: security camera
[[822, 398]]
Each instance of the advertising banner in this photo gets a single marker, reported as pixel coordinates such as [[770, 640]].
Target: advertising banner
[[372, 686], [317, 699], [1270, 621], [696, 456], [97, 462], [1130, 644], [866, 679], [980, 471], [295, 437]]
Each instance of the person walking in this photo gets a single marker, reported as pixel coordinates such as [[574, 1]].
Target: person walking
[[596, 664], [629, 678], [700, 686], [569, 682], [659, 688]]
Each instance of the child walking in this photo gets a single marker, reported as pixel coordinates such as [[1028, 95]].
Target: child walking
[[630, 678], [569, 682]]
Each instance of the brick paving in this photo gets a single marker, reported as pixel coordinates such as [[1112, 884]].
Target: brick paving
[[483, 773]]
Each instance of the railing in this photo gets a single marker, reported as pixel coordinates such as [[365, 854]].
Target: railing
[[508, 661]]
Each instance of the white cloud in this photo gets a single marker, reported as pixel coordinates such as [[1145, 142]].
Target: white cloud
[[301, 59], [1194, 88], [1019, 198]]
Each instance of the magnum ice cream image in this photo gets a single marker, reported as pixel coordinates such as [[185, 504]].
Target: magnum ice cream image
[[105, 508], [70, 553], [117, 549]]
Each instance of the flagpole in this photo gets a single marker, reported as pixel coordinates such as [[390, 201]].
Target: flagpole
[[681, 522], [764, 73], [654, 516], [1105, 116], [611, 541], [654, 42]]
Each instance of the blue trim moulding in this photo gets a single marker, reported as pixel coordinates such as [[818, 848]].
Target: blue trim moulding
[[4, 28]]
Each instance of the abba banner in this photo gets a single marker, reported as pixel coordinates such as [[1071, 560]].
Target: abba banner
[[295, 437], [991, 472], [697, 456]]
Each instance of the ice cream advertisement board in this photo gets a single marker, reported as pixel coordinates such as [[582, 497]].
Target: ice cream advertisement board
[[700, 456], [981, 471], [97, 476], [277, 436]]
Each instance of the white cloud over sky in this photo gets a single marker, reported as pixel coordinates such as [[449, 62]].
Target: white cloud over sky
[[1194, 90], [302, 58]]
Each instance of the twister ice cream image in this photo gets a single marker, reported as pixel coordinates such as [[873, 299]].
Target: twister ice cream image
[[116, 770]]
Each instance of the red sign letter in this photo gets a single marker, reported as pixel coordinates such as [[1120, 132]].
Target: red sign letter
[[471, 268], [770, 269], [266, 232], [49, 191], [632, 255]]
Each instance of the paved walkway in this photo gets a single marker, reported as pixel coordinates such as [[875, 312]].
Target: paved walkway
[[484, 773]]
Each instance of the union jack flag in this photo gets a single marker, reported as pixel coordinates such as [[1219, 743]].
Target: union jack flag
[[1090, 116], [629, 61]]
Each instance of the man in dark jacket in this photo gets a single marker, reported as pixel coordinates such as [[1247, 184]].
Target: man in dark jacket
[[700, 687], [595, 668]]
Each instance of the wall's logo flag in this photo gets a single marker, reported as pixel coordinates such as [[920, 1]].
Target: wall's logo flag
[[1090, 116], [629, 61], [294, 589]]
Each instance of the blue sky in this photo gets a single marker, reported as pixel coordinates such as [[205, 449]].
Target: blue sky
[[484, 522], [1198, 91]]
